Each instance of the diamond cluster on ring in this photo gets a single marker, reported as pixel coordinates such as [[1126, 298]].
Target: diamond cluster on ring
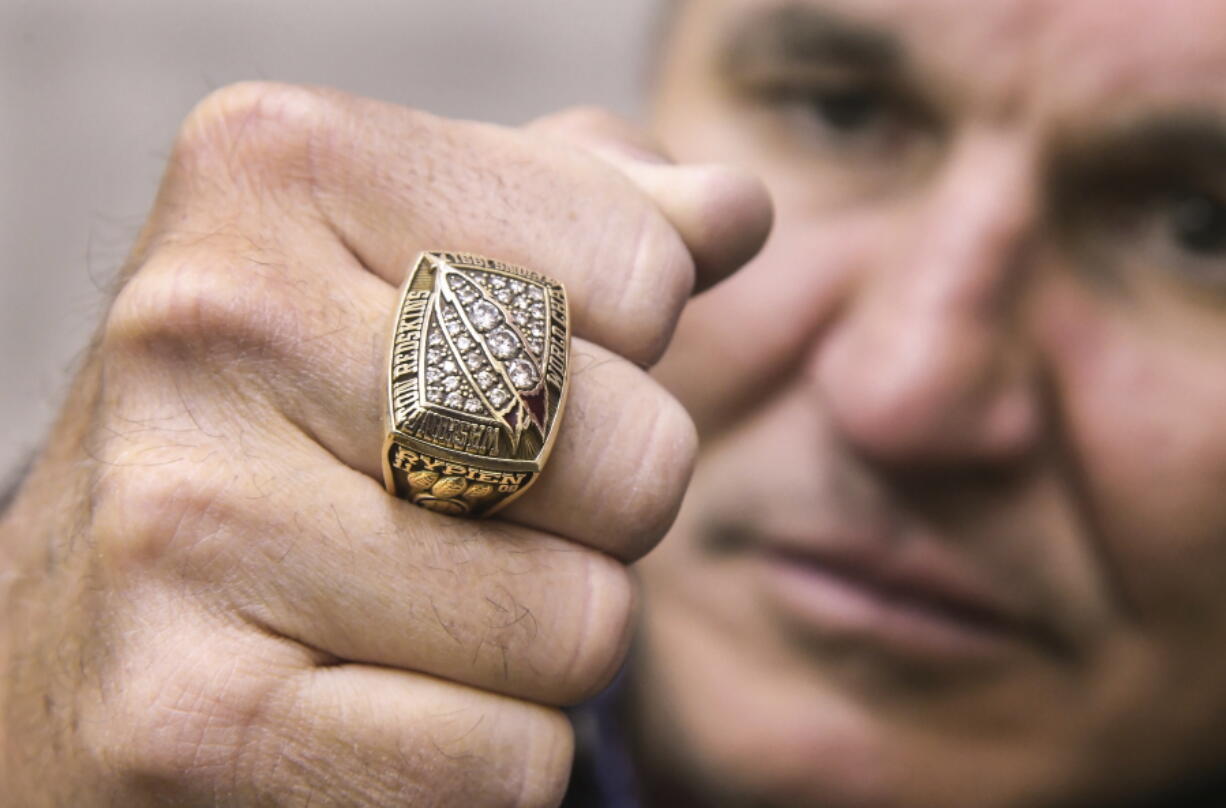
[[524, 303], [485, 345], [445, 382]]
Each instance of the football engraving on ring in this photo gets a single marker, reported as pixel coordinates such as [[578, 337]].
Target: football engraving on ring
[[477, 381]]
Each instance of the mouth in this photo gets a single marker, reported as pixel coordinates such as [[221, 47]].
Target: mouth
[[916, 606]]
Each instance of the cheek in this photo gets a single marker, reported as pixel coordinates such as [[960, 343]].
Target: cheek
[[1145, 411]]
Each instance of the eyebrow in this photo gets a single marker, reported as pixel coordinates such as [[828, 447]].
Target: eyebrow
[[1176, 143], [796, 34]]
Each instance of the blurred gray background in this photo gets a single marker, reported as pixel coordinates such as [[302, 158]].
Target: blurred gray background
[[93, 92]]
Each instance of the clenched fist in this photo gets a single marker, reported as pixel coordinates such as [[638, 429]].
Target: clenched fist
[[208, 596]]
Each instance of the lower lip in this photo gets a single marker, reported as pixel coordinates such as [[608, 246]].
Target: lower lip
[[831, 607]]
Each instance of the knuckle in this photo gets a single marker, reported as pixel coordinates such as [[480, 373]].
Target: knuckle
[[250, 127], [145, 508], [190, 298], [660, 281], [604, 625]]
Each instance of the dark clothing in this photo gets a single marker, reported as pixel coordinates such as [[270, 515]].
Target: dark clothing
[[603, 774]]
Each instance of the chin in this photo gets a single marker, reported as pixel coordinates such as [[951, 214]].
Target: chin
[[735, 734]]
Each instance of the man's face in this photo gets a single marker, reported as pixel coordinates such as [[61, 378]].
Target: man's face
[[958, 534]]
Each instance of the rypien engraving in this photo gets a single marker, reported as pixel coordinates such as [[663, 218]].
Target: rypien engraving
[[477, 380], [452, 488]]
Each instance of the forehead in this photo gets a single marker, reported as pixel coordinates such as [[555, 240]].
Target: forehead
[[1008, 55]]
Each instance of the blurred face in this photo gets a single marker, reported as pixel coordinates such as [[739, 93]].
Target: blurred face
[[958, 534]]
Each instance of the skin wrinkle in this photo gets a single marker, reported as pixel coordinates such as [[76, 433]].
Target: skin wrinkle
[[1077, 475], [644, 275]]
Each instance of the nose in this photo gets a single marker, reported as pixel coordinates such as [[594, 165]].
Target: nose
[[928, 361]]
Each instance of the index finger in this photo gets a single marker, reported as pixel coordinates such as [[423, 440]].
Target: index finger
[[391, 182]]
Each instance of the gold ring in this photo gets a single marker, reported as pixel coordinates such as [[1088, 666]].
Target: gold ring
[[477, 379]]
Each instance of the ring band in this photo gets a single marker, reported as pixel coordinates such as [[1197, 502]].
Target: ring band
[[476, 382]]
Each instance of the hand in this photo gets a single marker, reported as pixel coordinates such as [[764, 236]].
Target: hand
[[209, 598]]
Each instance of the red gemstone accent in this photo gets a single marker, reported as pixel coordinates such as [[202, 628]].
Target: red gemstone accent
[[536, 406]]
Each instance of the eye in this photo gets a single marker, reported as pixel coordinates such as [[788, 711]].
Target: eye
[[849, 110], [1196, 223], [855, 120], [849, 134], [1144, 218]]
